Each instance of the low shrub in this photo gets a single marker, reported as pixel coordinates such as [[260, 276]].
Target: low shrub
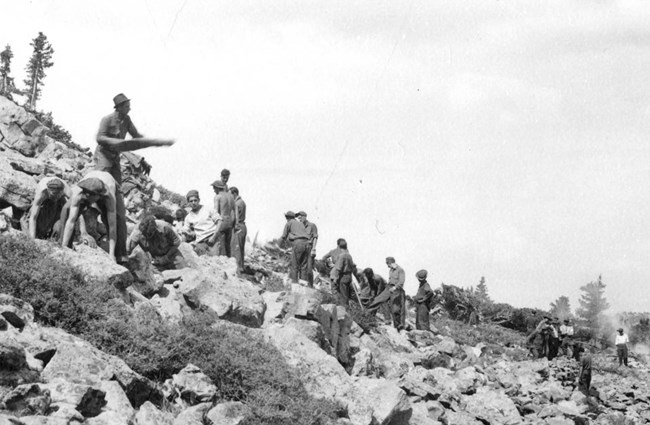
[[243, 366]]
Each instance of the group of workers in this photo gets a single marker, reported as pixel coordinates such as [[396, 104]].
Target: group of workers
[[375, 293], [59, 211]]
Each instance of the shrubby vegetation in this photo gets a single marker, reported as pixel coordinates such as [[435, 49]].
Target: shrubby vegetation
[[243, 366]]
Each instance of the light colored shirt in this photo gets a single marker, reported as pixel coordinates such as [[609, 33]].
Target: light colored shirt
[[396, 276], [114, 126], [202, 222], [566, 330], [621, 339]]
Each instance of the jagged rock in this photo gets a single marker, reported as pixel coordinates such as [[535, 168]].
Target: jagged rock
[[432, 359], [108, 418], [16, 311], [151, 415], [311, 330], [65, 413], [447, 345], [303, 302], [170, 304], [96, 265], [28, 399], [10, 420], [388, 363], [12, 355], [274, 307], [363, 364], [16, 188], [229, 413], [117, 402], [493, 406], [421, 415], [146, 282], [228, 297], [561, 421], [421, 338], [461, 418], [388, 402], [193, 385], [85, 399], [46, 420], [193, 415]]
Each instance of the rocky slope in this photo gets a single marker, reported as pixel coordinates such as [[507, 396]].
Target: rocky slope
[[454, 375]]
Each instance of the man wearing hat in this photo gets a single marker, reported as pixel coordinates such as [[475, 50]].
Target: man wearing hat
[[312, 231], [224, 205], [239, 240], [423, 300], [294, 232], [566, 336], [396, 279], [47, 214], [95, 187], [621, 346], [202, 226], [110, 142]]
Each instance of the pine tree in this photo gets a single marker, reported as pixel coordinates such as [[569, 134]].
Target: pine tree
[[6, 82], [41, 60], [561, 308], [482, 292], [593, 305]]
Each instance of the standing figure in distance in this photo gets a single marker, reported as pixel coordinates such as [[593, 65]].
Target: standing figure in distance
[[240, 228], [312, 231], [224, 205], [396, 279], [295, 233], [423, 302]]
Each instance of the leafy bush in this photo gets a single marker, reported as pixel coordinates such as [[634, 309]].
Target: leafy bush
[[171, 196], [243, 366]]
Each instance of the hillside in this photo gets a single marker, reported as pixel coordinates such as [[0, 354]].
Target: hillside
[[83, 340]]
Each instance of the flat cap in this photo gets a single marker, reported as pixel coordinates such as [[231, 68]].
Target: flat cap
[[422, 274], [219, 184], [620, 329], [225, 172], [390, 260], [191, 193], [92, 185], [302, 213], [290, 214]]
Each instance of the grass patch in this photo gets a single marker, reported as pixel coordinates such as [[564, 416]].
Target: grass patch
[[243, 366]]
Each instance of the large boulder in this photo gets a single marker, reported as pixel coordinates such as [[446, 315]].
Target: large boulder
[[229, 413], [492, 406], [228, 297], [145, 281], [389, 403], [16, 188], [29, 399], [85, 399], [193, 415], [194, 386], [96, 266], [151, 415]]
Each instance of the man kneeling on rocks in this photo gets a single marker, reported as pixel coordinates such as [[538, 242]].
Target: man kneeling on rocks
[[95, 187], [158, 238], [46, 217], [202, 226]]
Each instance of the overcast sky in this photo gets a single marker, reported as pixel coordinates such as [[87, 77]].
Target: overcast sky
[[504, 139]]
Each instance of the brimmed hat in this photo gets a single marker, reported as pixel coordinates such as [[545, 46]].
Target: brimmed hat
[[120, 99], [290, 214], [422, 274]]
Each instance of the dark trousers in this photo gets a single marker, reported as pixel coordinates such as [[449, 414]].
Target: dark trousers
[[398, 308], [300, 254], [553, 347], [310, 267], [239, 243], [381, 302], [422, 317], [621, 352], [225, 242], [584, 383], [341, 289]]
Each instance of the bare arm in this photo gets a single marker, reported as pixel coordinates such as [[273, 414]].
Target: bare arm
[[120, 145], [112, 224], [70, 222], [36, 210]]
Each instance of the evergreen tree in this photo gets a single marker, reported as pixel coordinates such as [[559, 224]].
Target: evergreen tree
[[593, 305], [6, 82], [41, 60], [561, 308], [482, 292]]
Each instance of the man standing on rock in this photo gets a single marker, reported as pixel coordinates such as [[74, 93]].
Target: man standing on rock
[[312, 231], [295, 233], [201, 226], [110, 142], [342, 276], [423, 302], [224, 205], [566, 336], [46, 217], [240, 228], [621, 347], [95, 187], [158, 238], [396, 279]]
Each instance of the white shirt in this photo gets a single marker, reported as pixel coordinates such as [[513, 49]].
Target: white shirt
[[566, 330], [621, 339], [202, 222]]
